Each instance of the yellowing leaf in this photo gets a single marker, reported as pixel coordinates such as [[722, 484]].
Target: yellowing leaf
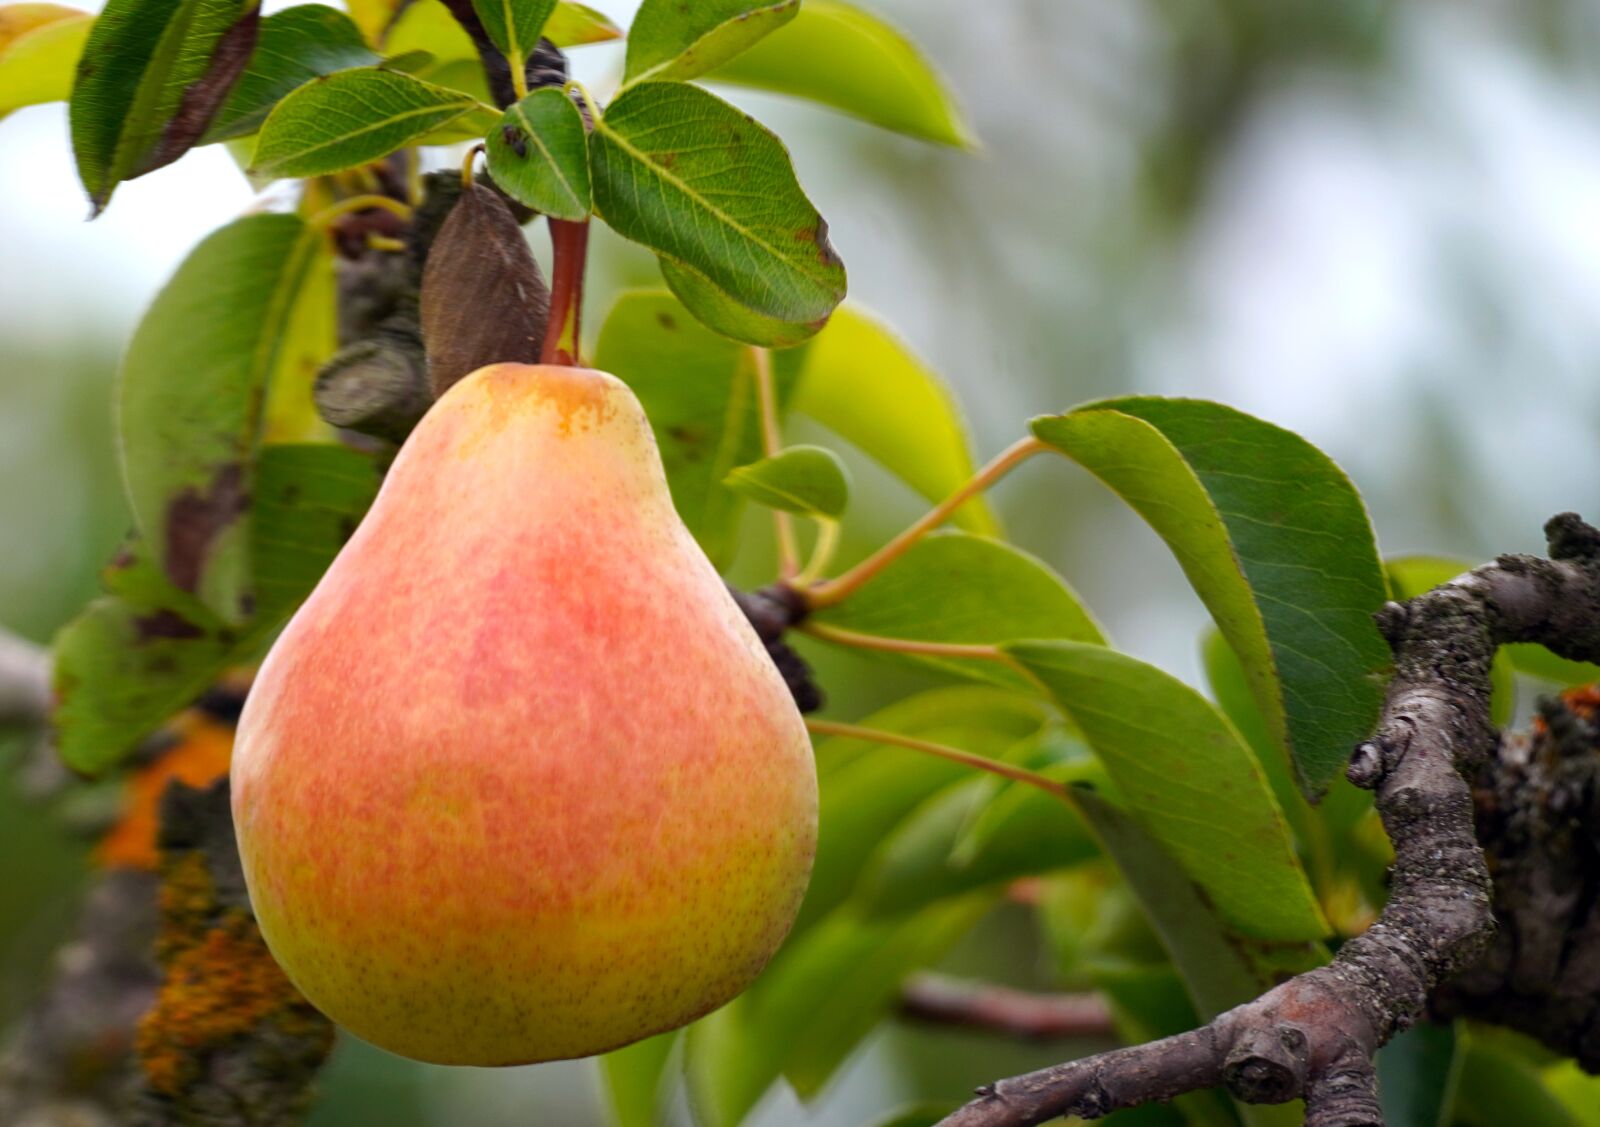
[[841, 56], [38, 61]]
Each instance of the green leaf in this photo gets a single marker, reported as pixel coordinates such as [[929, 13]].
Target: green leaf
[[539, 155], [864, 964], [574, 25], [357, 116], [310, 337], [681, 171], [152, 75], [841, 56], [1275, 541], [817, 1000], [122, 668], [1575, 1088], [1022, 832], [1100, 937], [1498, 1087], [861, 381], [514, 25], [37, 63], [1208, 956], [132, 659], [295, 46], [671, 40], [309, 499], [808, 480], [716, 310], [635, 1079], [699, 392], [1230, 686], [1410, 576], [1219, 970], [867, 788], [1418, 1074], [427, 25], [1536, 661], [193, 384], [1189, 780], [373, 16], [955, 587], [465, 75]]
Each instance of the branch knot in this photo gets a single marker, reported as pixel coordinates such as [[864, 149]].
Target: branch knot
[[1570, 538]]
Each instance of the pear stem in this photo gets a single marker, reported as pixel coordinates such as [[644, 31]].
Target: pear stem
[[829, 592], [943, 751], [771, 443], [911, 646], [570, 241]]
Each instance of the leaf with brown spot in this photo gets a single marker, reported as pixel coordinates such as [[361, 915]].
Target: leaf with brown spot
[[484, 300], [193, 391], [151, 77], [148, 649], [202, 99], [293, 47]]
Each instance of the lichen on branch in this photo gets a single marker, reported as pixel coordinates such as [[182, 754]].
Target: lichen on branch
[[229, 1039]]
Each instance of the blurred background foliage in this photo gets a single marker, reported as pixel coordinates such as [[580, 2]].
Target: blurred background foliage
[[1370, 223]]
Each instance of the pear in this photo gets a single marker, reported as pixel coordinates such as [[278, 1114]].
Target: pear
[[519, 782]]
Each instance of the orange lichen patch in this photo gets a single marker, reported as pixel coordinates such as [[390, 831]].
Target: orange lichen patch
[[199, 759], [1584, 700], [221, 984], [188, 904]]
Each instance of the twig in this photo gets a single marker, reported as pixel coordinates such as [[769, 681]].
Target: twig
[[832, 591], [943, 751], [1001, 1009], [1313, 1037]]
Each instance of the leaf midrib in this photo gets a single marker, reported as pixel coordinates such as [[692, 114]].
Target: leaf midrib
[[461, 109], [643, 158], [555, 166]]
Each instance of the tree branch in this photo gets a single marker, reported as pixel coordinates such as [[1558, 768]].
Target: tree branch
[[1021, 1014], [1539, 819], [1314, 1036]]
